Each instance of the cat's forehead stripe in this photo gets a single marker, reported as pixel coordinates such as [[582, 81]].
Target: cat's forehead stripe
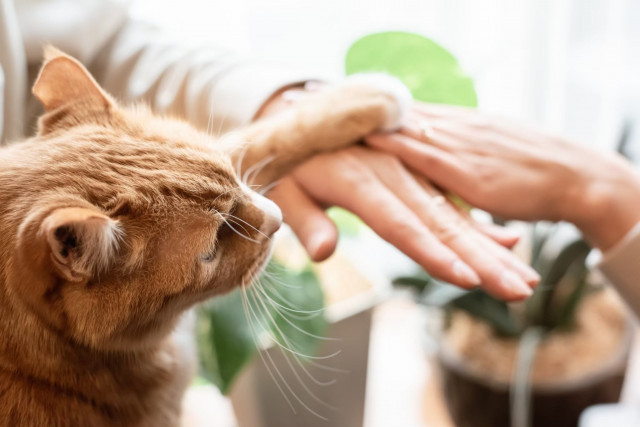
[[106, 164]]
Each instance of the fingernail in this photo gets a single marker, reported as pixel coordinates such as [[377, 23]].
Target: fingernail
[[315, 244], [465, 273], [531, 276], [514, 283]]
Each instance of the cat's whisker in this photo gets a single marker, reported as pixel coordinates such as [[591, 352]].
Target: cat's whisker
[[209, 124], [240, 225], [318, 337], [272, 288], [254, 335], [316, 381], [301, 314], [256, 168], [266, 274], [292, 345], [239, 161], [222, 194], [298, 399], [266, 295], [236, 231], [291, 350], [245, 222], [298, 361], [265, 162], [221, 125], [273, 278], [267, 188]]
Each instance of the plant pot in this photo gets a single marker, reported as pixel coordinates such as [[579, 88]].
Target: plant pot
[[475, 399]]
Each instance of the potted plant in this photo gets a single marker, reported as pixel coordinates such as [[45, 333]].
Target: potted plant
[[540, 362]]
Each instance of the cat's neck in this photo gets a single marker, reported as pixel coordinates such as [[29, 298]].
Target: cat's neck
[[33, 348], [34, 355]]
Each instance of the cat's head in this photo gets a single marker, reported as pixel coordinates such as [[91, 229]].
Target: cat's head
[[124, 219]]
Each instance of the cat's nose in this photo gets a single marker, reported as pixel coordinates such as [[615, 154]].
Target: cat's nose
[[272, 215]]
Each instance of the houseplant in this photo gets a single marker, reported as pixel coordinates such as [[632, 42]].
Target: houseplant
[[536, 363]]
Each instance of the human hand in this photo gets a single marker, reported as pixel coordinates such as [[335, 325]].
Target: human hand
[[405, 210], [519, 173], [402, 208]]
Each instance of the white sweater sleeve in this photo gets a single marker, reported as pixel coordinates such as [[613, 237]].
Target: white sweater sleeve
[[212, 88], [621, 265]]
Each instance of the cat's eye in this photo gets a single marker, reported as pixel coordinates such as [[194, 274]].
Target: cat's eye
[[208, 256]]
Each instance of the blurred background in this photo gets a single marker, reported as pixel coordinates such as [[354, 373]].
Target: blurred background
[[570, 66], [567, 66]]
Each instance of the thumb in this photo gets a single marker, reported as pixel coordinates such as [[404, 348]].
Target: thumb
[[314, 229]]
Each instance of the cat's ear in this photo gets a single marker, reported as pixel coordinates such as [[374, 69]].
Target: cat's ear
[[63, 80], [81, 241]]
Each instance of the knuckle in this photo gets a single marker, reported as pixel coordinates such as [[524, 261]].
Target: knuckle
[[448, 232], [400, 230]]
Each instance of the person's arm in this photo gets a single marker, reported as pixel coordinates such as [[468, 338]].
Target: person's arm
[[519, 173], [214, 89], [621, 264]]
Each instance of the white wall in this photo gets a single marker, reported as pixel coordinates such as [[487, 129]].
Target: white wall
[[566, 65]]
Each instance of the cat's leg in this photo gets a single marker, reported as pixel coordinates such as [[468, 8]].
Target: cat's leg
[[334, 118]]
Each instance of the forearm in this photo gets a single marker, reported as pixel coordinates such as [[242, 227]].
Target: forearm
[[621, 265], [212, 88]]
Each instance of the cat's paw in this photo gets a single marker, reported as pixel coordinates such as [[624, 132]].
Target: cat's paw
[[393, 87]]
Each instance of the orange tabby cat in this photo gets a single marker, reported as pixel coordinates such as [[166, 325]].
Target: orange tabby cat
[[114, 222]]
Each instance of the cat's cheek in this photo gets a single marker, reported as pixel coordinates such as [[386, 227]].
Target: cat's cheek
[[209, 269]]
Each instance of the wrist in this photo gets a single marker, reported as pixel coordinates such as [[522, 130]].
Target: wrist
[[609, 206]]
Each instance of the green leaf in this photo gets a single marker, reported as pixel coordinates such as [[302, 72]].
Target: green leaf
[[493, 311], [541, 233], [418, 281], [566, 316], [568, 267], [431, 73], [286, 307], [226, 341], [575, 252]]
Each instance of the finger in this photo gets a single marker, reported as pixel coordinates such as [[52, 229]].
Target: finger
[[448, 136], [400, 227], [501, 235], [314, 229], [497, 277], [444, 111], [474, 126], [440, 166], [381, 210], [508, 258]]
